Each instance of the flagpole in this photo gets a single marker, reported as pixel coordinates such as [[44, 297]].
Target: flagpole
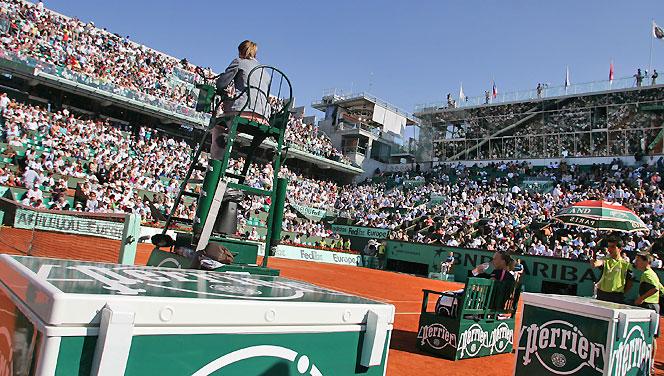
[[652, 37]]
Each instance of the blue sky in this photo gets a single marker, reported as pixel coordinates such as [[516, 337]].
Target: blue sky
[[405, 52]]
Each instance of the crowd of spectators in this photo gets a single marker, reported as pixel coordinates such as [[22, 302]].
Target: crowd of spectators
[[309, 138], [594, 125], [82, 47], [475, 207], [108, 58], [115, 165], [497, 213], [117, 168]]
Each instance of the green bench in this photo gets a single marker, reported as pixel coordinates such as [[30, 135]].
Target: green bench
[[483, 324]]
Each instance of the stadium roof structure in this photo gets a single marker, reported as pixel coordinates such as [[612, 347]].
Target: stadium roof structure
[[338, 97]]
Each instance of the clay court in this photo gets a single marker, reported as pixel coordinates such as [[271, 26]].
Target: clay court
[[401, 290]]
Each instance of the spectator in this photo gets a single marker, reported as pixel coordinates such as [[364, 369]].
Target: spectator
[[639, 77], [446, 266]]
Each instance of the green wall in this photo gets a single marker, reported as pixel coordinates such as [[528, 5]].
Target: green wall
[[537, 269]]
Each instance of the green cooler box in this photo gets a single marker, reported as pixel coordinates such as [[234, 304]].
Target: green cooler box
[[571, 335], [62, 317]]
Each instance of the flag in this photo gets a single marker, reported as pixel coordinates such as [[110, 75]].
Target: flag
[[657, 31], [494, 91], [611, 72], [462, 96], [567, 83]]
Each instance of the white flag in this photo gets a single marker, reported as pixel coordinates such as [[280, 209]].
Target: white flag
[[657, 31], [462, 96], [567, 83]]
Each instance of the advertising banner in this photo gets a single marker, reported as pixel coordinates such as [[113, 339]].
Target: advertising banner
[[30, 220], [559, 343], [362, 232], [309, 213], [307, 254]]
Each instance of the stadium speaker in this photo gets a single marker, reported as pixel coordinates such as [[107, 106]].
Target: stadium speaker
[[226, 222]]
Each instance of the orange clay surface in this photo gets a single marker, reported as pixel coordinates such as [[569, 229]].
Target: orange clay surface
[[401, 290]]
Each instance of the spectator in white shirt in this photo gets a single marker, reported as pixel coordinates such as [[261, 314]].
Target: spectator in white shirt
[[34, 193], [92, 204]]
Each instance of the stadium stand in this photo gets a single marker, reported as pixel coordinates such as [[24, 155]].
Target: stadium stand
[[94, 166], [70, 49], [613, 123], [54, 156]]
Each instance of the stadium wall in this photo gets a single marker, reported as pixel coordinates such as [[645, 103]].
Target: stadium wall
[[540, 274]]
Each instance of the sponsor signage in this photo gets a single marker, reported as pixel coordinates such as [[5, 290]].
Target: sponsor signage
[[308, 254], [436, 200], [559, 343], [538, 270], [361, 232], [537, 185], [247, 354], [35, 220], [436, 336], [476, 340], [413, 183], [268, 342], [583, 336], [462, 338], [633, 356], [74, 277], [310, 213]]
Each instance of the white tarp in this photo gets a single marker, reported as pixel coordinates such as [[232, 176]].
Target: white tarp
[[392, 122]]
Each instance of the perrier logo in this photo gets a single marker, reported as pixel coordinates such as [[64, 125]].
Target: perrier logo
[[475, 339], [560, 347], [634, 354]]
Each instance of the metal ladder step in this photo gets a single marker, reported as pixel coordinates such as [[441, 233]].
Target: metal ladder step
[[190, 194], [199, 167], [234, 176]]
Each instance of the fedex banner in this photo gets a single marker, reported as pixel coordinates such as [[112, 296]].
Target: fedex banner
[[313, 214], [316, 255], [361, 232]]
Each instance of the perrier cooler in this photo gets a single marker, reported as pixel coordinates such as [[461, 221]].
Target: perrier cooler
[[570, 335], [66, 318]]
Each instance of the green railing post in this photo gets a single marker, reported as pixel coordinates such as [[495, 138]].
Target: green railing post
[[130, 235], [277, 209], [210, 183]]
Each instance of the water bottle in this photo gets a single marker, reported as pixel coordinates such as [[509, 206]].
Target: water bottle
[[482, 267]]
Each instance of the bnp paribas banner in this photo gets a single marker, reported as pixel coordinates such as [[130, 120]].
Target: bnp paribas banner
[[361, 232]]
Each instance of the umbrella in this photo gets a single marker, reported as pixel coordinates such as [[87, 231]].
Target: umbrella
[[601, 215]]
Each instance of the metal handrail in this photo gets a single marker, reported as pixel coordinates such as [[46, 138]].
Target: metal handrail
[[546, 92], [103, 85]]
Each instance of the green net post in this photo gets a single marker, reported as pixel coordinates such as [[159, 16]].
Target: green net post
[[277, 218], [207, 194], [130, 235]]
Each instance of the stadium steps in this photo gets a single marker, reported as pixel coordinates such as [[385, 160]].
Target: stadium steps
[[531, 113]]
